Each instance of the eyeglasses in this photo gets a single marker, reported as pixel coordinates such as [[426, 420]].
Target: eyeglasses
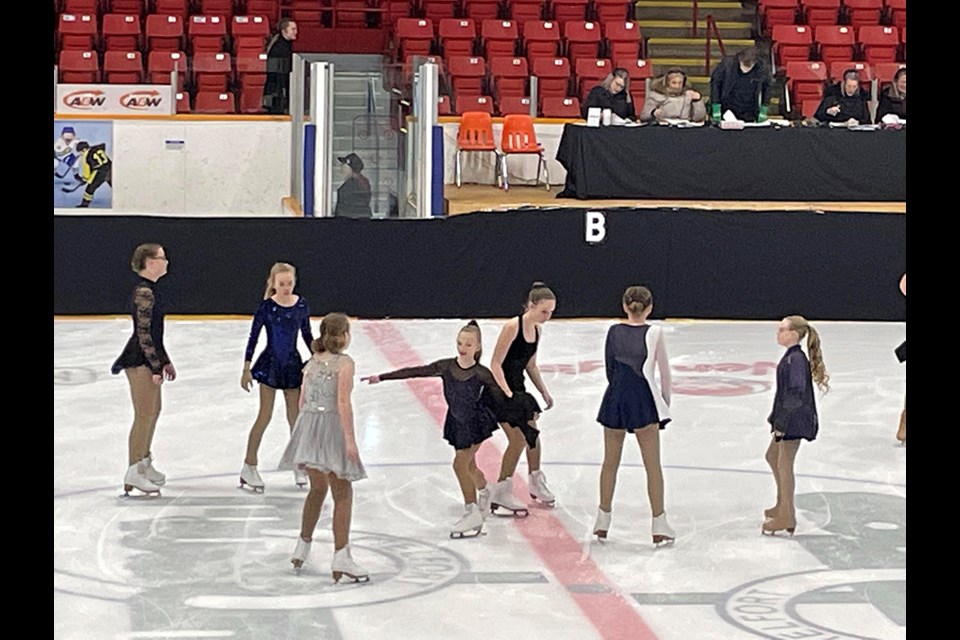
[[164, 258]]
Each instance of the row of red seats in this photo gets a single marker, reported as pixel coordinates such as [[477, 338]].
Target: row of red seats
[[415, 36], [806, 81], [825, 12], [521, 10], [872, 43], [125, 32], [225, 8]]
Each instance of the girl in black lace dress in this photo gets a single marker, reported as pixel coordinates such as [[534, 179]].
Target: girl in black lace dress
[[145, 362], [471, 394], [516, 353]]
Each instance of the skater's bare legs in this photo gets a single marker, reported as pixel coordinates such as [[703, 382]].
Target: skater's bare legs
[[313, 504], [511, 456], [772, 457], [292, 398], [649, 439], [342, 510], [479, 480], [462, 462], [267, 396], [146, 410], [612, 451]]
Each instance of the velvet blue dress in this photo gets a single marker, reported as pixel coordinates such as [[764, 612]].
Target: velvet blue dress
[[280, 365]]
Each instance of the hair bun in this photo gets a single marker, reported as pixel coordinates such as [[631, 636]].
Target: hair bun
[[538, 284], [473, 323]]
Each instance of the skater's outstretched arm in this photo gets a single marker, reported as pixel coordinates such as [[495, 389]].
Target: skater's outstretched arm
[[426, 371]]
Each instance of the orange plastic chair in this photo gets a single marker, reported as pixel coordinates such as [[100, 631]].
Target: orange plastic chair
[[519, 137], [476, 134]]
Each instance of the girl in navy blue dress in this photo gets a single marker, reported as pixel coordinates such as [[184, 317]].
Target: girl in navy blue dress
[[516, 353], [794, 415], [633, 404], [471, 394], [279, 365], [145, 362]]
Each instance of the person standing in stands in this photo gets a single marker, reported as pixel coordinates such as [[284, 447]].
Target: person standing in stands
[[614, 94], [353, 196], [740, 83], [845, 101], [276, 90]]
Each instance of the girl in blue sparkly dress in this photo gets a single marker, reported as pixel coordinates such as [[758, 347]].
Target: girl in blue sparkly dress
[[280, 366], [633, 404]]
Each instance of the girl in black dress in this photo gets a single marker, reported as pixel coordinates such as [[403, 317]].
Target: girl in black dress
[[515, 353], [633, 404], [145, 362], [794, 415], [470, 392]]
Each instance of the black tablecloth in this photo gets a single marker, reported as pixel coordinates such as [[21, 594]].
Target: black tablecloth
[[707, 163]]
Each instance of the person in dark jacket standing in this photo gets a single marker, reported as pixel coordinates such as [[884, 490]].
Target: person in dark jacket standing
[[276, 90], [740, 83], [794, 415], [614, 94], [894, 99], [353, 196], [845, 101]]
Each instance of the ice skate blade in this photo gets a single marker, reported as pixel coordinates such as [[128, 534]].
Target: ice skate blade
[[659, 541], [144, 493], [337, 575], [546, 503], [601, 534], [472, 533], [246, 486], [297, 565], [519, 513], [776, 532]]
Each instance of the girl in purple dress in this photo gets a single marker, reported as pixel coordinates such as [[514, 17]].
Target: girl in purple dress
[[279, 366]]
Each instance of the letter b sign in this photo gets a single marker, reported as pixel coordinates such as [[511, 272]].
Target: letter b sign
[[596, 229]]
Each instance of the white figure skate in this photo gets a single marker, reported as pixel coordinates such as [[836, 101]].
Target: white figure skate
[[300, 477], [602, 525], [152, 474], [502, 498], [136, 478], [250, 477], [539, 490], [470, 525], [300, 554], [483, 499], [343, 565], [662, 533]]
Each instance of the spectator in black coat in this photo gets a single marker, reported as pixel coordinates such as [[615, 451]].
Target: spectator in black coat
[[353, 196], [276, 90]]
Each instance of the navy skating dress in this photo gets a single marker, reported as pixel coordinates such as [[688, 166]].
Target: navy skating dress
[[630, 401], [145, 346], [280, 365], [519, 410], [471, 395], [794, 405]]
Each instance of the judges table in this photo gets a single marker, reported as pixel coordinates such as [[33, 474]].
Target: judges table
[[707, 163]]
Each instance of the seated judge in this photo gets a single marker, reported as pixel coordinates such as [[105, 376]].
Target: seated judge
[[671, 97], [894, 98], [845, 101], [614, 94]]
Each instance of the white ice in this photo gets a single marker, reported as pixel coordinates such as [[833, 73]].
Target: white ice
[[207, 560]]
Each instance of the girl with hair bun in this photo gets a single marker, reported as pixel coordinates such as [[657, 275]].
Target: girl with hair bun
[[794, 415], [471, 394], [516, 352], [632, 404]]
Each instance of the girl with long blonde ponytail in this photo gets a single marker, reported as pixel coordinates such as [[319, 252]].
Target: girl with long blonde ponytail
[[794, 416]]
